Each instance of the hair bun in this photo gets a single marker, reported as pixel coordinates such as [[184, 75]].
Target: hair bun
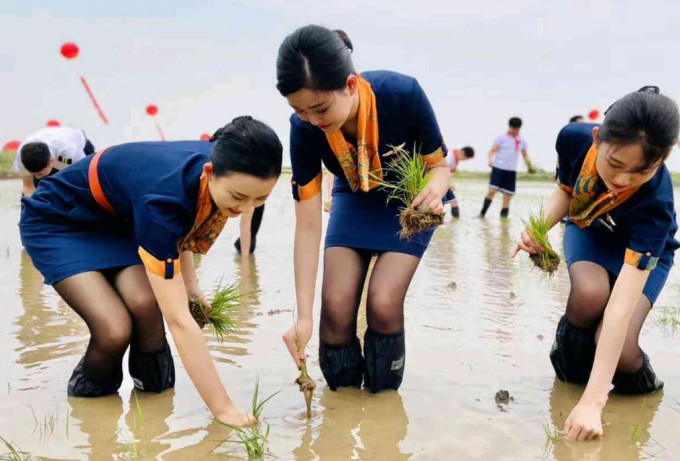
[[217, 134], [649, 89], [345, 39], [241, 118]]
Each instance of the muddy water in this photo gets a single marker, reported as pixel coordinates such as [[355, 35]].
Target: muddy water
[[476, 322]]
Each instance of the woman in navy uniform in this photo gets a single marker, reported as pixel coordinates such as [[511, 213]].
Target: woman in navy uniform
[[351, 123], [619, 244], [114, 234]]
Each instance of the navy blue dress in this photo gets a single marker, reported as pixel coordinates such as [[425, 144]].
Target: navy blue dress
[[645, 223], [358, 219], [153, 188]]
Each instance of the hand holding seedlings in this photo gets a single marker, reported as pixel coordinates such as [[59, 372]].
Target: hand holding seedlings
[[219, 313], [534, 240], [409, 183]]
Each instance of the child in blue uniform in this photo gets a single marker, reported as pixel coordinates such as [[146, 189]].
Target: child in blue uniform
[[351, 123], [619, 244], [114, 234]]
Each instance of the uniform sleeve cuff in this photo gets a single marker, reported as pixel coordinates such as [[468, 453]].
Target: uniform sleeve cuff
[[166, 268], [643, 261], [434, 158], [309, 190], [566, 189]]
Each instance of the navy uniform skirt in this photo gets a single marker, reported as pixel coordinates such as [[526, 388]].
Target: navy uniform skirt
[[65, 232], [366, 221], [597, 246]]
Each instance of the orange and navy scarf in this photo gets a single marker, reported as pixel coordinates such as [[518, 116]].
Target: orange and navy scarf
[[361, 165], [208, 225], [586, 205]]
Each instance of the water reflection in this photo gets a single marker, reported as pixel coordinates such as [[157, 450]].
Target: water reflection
[[372, 430], [45, 333]]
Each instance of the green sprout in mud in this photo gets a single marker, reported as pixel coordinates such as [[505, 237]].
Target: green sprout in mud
[[671, 318], [552, 436], [538, 226], [252, 439], [13, 453], [47, 423], [408, 177], [222, 307]]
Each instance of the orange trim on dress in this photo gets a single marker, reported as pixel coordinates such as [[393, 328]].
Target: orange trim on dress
[[434, 158], [645, 262], [158, 267], [311, 189], [95, 185], [361, 164], [566, 189], [586, 204]]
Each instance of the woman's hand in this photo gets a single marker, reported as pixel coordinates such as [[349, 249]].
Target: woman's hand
[[197, 294], [429, 197], [584, 423], [296, 339], [233, 416], [527, 243]]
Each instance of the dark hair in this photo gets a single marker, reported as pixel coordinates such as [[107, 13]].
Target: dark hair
[[246, 146], [313, 57], [575, 118], [469, 151], [646, 118], [35, 156], [515, 122], [345, 39]]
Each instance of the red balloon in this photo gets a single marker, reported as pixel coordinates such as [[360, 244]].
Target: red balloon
[[69, 50], [205, 137], [53, 123], [152, 109], [594, 114], [12, 145]]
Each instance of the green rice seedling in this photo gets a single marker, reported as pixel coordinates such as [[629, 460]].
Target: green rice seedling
[[304, 382], [538, 226], [408, 177], [13, 453], [252, 439], [45, 426], [220, 314], [671, 318], [552, 435]]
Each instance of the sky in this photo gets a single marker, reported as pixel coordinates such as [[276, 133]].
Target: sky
[[205, 62]]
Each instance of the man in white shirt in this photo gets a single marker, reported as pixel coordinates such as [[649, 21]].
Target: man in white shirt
[[48, 151], [503, 158]]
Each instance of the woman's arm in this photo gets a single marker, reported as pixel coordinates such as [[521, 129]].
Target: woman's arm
[[186, 260], [585, 421], [306, 263], [193, 350], [244, 229]]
